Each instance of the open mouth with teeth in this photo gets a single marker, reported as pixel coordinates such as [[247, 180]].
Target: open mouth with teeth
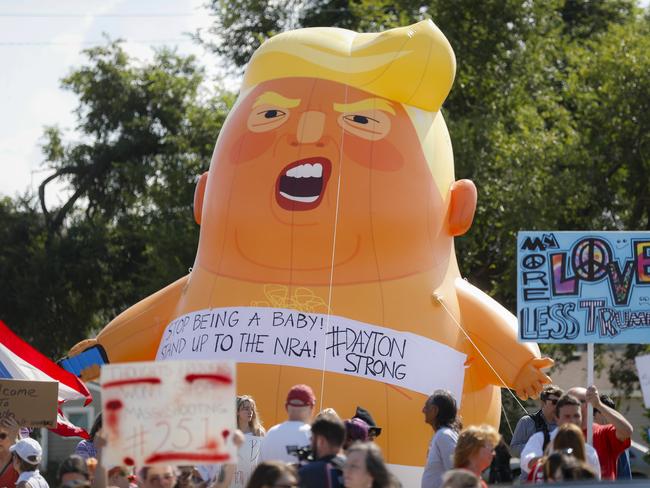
[[301, 184]]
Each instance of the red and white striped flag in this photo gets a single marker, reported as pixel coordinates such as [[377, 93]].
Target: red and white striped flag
[[20, 361]]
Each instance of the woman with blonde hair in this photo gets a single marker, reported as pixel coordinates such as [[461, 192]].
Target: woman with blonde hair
[[248, 420], [475, 449]]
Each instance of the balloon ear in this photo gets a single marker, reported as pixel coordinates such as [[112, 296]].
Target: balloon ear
[[199, 193], [462, 206]]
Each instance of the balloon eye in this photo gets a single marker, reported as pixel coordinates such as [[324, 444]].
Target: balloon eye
[[360, 119], [272, 114]]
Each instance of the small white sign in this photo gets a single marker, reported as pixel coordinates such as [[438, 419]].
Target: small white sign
[[643, 369], [278, 336], [171, 412], [247, 458]]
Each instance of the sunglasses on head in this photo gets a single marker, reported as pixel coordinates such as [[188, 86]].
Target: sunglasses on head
[[567, 451]]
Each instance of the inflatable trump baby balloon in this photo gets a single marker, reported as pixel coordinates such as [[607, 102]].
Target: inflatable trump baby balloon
[[326, 250]]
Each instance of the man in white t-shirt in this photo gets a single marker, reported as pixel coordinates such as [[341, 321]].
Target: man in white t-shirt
[[27, 456], [567, 410], [283, 440]]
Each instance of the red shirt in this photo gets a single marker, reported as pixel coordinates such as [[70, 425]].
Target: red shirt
[[609, 448], [8, 476]]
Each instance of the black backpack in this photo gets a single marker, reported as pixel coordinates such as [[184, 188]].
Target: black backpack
[[540, 426]]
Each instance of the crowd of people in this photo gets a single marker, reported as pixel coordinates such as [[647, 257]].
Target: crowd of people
[[322, 450]]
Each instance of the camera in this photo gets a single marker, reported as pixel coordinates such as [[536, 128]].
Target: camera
[[304, 454]]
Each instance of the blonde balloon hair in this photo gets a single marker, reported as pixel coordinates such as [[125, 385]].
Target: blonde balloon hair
[[413, 65]]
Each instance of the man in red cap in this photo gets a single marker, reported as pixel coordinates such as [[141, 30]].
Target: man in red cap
[[283, 441]]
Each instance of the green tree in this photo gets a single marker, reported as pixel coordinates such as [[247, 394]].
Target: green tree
[[144, 133]]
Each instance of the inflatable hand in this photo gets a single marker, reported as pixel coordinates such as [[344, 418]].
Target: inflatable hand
[[85, 359], [530, 380]]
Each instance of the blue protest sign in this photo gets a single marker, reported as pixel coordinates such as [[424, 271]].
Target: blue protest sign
[[582, 287]]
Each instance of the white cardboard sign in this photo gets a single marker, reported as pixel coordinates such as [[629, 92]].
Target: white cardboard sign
[[171, 412], [247, 458], [643, 369], [286, 337]]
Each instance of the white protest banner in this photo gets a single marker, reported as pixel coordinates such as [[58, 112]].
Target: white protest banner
[[643, 370], [172, 412], [247, 458], [317, 341]]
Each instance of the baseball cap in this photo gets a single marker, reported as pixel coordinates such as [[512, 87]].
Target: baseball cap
[[28, 449], [364, 415], [301, 396], [356, 430]]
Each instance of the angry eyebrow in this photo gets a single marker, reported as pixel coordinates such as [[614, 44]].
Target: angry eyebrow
[[277, 100], [366, 104]]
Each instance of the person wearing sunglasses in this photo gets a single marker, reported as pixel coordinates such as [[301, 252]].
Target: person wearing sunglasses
[[8, 436], [541, 421]]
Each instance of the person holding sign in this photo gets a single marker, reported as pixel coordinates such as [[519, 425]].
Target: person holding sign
[[623, 469], [247, 418], [248, 423], [284, 441], [610, 440], [8, 436], [158, 476]]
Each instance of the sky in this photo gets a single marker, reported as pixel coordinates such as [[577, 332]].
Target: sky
[[41, 42]]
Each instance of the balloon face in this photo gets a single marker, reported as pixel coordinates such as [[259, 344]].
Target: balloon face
[[310, 175]]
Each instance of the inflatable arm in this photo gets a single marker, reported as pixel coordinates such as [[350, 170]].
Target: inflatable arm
[[493, 329], [134, 335]]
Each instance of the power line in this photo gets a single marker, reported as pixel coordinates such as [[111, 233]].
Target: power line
[[96, 43], [75, 16]]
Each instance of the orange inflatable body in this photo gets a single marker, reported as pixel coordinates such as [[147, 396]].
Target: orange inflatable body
[[331, 193]]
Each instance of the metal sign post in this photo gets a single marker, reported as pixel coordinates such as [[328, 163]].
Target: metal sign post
[[590, 381]]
